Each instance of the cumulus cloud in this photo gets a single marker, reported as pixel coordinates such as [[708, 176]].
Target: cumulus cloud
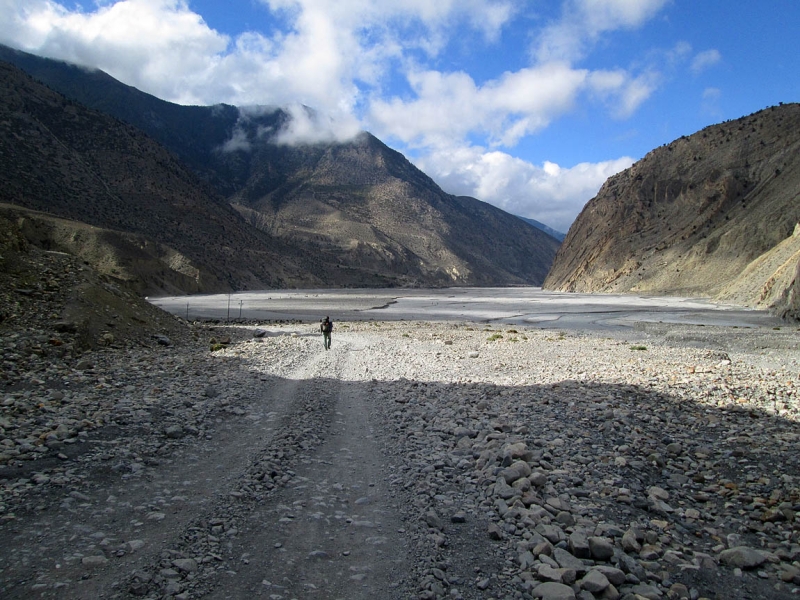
[[548, 193], [340, 58], [584, 21], [157, 45], [452, 105], [329, 52]]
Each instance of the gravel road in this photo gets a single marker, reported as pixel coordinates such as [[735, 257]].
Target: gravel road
[[412, 460]]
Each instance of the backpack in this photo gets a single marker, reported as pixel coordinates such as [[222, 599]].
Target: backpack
[[327, 327]]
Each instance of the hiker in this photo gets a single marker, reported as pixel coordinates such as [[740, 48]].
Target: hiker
[[326, 327]]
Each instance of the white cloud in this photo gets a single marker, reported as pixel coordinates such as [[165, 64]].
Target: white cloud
[[549, 193], [584, 21], [328, 52], [451, 106], [705, 60], [621, 92], [340, 57], [310, 127]]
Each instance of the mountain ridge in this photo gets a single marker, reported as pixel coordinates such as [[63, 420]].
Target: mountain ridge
[[693, 215], [359, 213], [83, 166]]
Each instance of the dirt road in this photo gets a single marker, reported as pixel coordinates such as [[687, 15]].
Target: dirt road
[[286, 497], [412, 460]]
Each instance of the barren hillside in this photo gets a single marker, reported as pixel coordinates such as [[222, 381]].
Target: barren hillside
[[64, 159], [713, 214], [351, 214]]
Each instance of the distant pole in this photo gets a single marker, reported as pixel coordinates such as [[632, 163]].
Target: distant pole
[[240, 309], [187, 311], [228, 318]]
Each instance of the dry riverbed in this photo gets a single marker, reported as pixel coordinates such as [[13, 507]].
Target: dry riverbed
[[412, 460]]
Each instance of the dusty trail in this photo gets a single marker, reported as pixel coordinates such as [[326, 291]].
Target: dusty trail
[[417, 461], [334, 531], [120, 521]]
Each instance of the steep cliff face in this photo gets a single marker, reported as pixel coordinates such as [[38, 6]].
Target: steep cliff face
[[712, 214]]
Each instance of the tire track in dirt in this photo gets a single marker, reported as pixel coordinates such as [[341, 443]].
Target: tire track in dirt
[[334, 531], [125, 523]]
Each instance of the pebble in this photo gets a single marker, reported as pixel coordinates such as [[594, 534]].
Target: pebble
[[588, 468]]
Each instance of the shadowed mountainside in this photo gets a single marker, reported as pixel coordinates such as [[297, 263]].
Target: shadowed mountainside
[[361, 213], [714, 214], [160, 228]]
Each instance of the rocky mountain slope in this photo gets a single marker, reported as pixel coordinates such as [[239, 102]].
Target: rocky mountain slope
[[150, 221], [367, 205], [714, 214], [358, 212]]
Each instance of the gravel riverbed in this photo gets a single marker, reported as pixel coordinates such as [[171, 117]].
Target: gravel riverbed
[[412, 460]]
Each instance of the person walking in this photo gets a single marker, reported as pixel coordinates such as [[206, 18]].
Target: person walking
[[326, 327]]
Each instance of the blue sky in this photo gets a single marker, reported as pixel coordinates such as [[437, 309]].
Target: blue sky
[[529, 104]]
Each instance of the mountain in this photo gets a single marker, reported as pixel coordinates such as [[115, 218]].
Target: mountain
[[358, 212], [150, 220], [714, 214], [546, 228]]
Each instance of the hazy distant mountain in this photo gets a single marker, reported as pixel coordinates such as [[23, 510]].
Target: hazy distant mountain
[[714, 214], [548, 230], [361, 212]]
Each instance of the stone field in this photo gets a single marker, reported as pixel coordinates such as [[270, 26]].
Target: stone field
[[412, 460]]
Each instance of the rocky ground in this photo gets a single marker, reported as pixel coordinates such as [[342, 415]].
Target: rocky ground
[[142, 457], [412, 460]]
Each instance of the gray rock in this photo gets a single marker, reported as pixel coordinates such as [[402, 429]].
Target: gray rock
[[650, 592], [458, 517], [94, 561], [162, 340], [614, 575], [650, 552], [601, 548], [630, 543], [565, 518], [548, 573], [566, 561], [185, 565], [594, 581], [742, 557], [433, 520], [505, 491], [495, 533], [538, 478], [551, 533], [174, 432], [515, 471], [579, 545], [553, 591]]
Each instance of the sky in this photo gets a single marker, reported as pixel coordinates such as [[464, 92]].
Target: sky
[[529, 105]]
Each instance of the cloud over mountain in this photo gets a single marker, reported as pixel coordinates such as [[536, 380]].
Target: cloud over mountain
[[405, 71]]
